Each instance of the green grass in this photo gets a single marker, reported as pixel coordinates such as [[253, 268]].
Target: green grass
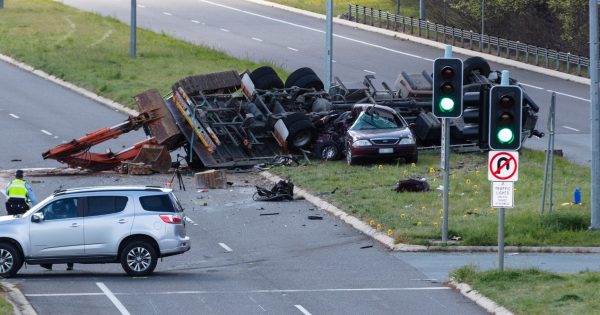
[[5, 307], [416, 218], [531, 291], [407, 7], [93, 51]]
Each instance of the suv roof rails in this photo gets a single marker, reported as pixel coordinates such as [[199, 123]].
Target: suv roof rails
[[106, 188]]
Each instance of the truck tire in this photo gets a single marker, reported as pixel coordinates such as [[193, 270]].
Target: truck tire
[[10, 260], [265, 78], [309, 82], [301, 134], [475, 64], [138, 258], [328, 151], [297, 74]]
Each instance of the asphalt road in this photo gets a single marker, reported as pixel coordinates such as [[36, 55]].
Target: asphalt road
[[247, 257], [37, 115], [248, 30]]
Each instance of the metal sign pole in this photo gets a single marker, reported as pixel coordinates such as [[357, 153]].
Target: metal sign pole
[[595, 110], [501, 239], [328, 44]]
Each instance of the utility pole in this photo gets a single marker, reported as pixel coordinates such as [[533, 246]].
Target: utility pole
[[328, 44], [422, 10], [397, 7], [133, 39], [482, 24], [595, 110]]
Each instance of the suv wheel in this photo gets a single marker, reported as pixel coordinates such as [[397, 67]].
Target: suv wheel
[[138, 259], [10, 260]]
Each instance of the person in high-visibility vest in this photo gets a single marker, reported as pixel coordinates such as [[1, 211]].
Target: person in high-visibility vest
[[20, 195]]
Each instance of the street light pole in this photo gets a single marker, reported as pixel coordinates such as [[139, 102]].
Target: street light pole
[[133, 39], [422, 10], [595, 111]]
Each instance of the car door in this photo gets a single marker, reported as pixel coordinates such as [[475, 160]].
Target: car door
[[60, 233], [107, 219]]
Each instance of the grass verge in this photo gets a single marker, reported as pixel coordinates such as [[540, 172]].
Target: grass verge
[[532, 291], [93, 51], [5, 307], [416, 218], [407, 7]]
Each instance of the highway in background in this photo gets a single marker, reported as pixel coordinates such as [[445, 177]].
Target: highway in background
[[262, 33]]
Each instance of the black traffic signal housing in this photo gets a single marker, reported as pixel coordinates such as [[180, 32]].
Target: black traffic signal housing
[[505, 117], [447, 87]]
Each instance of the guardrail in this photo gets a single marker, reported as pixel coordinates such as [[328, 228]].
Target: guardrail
[[548, 58]]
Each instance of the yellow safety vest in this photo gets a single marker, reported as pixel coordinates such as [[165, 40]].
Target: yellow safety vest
[[17, 189]]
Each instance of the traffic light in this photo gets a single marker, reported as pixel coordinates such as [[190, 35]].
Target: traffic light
[[505, 123], [447, 87]]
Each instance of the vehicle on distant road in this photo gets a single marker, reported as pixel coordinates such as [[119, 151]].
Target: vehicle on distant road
[[130, 225]]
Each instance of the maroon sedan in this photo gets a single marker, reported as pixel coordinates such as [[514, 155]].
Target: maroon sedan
[[379, 133]]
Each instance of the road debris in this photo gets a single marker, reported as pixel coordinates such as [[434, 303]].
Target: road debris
[[282, 190], [412, 185], [315, 217], [272, 213]]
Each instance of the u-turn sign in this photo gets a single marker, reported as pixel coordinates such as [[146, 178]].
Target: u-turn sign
[[503, 166]]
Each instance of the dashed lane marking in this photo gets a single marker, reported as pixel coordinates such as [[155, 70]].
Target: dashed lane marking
[[141, 6], [531, 86], [369, 71], [194, 21], [569, 95], [292, 49], [14, 116], [168, 13], [46, 132], [225, 30], [571, 128], [257, 39], [227, 248]]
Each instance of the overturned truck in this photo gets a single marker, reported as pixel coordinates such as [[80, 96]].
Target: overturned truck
[[228, 119]]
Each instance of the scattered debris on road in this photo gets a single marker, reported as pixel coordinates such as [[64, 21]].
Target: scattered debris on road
[[282, 190], [412, 185], [315, 217]]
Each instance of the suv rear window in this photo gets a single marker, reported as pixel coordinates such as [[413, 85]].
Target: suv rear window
[[101, 205], [157, 203]]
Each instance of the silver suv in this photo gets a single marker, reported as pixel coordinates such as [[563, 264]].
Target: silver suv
[[131, 225]]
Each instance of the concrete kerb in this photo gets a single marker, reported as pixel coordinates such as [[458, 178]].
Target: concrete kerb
[[478, 298], [14, 296], [431, 43]]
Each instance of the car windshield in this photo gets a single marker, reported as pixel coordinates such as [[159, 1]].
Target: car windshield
[[375, 120]]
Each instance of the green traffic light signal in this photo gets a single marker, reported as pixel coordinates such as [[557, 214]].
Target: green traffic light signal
[[447, 87], [506, 136], [505, 117], [446, 104]]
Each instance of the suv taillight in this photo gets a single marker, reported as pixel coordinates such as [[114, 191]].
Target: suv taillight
[[170, 219]]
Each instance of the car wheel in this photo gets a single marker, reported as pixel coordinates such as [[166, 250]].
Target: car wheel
[[349, 158], [328, 150], [138, 259], [10, 260]]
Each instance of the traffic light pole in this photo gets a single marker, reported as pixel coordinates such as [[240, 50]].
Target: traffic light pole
[[504, 82], [132, 38], [595, 110], [446, 167]]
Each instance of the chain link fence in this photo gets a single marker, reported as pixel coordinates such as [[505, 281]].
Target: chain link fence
[[516, 50]]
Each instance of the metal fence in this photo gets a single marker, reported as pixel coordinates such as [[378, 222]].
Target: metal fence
[[516, 50]]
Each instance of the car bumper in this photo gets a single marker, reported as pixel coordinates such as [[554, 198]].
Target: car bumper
[[380, 152], [181, 246]]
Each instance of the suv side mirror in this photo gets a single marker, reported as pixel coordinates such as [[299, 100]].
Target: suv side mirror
[[37, 217]]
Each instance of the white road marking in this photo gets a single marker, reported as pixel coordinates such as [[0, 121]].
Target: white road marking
[[569, 95], [194, 21], [167, 13], [141, 6], [227, 248], [113, 298], [333, 60], [14, 116], [46, 132], [292, 49], [246, 292], [531, 86], [190, 220], [369, 71], [225, 30], [571, 128], [257, 39], [302, 309]]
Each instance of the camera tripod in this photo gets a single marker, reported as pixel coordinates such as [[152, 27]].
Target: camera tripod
[[177, 173]]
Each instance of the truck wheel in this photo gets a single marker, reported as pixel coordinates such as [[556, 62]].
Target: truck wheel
[[138, 259], [301, 134], [328, 150], [297, 74], [10, 260], [475, 64], [265, 78], [309, 82]]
